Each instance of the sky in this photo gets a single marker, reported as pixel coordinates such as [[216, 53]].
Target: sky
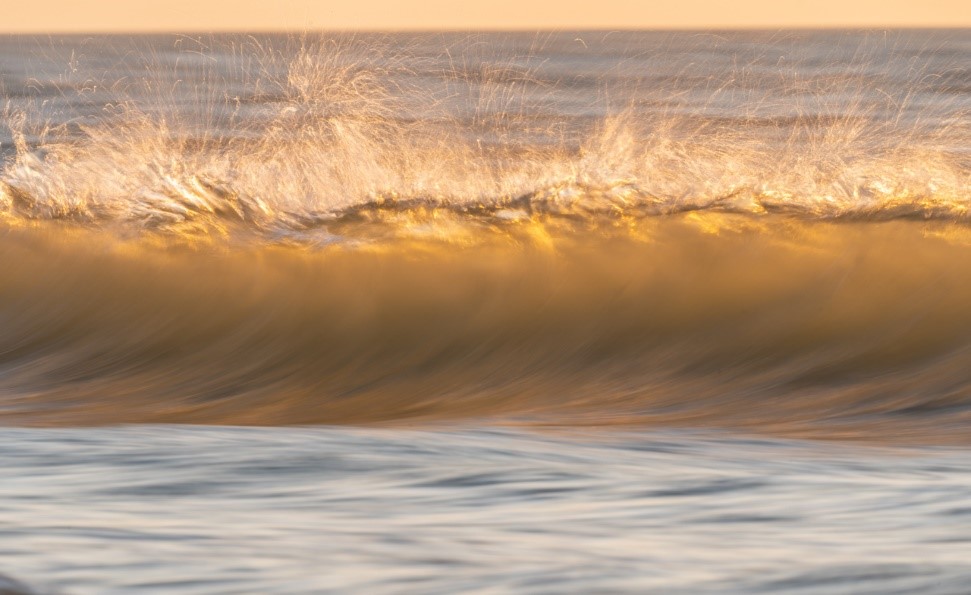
[[53, 16]]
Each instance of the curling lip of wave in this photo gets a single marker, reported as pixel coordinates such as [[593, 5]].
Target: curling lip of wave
[[200, 199]]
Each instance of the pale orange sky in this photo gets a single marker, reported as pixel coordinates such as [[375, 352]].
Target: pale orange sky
[[49, 16]]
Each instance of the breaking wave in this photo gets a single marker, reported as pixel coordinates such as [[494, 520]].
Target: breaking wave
[[339, 129], [345, 245]]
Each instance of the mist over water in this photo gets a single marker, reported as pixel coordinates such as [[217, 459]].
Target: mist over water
[[625, 234]]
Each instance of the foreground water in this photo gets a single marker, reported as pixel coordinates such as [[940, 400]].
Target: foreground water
[[687, 252], [163, 509]]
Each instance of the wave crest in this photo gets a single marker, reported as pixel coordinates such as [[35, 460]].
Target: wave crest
[[333, 128]]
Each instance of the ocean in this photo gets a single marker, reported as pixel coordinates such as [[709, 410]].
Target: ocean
[[594, 311]]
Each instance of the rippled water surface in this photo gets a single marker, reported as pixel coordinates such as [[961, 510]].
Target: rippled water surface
[[159, 509]]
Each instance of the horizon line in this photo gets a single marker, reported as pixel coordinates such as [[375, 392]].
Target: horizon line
[[599, 29]]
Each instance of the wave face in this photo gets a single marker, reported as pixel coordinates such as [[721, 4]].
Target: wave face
[[770, 324], [722, 231]]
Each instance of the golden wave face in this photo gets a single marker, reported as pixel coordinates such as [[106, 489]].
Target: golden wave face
[[765, 323]]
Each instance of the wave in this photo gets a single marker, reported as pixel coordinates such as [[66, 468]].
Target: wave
[[702, 319], [339, 245]]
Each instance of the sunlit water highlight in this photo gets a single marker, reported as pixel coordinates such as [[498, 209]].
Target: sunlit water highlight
[[655, 238]]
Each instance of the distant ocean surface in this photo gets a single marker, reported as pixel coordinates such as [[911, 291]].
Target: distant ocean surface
[[679, 312]]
